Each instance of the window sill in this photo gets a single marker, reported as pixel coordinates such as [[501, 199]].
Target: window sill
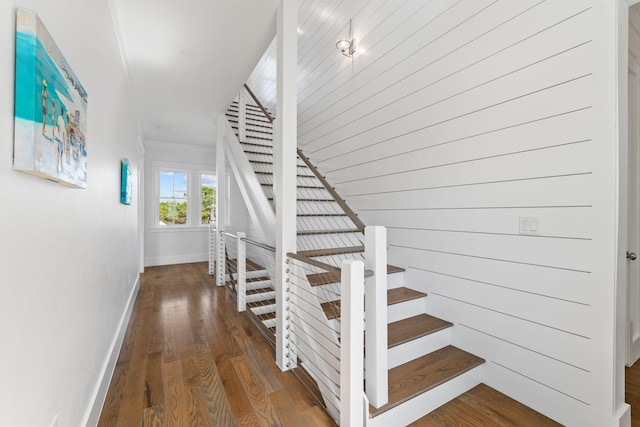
[[179, 229]]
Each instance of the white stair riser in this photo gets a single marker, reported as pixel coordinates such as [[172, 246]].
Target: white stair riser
[[324, 223], [406, 309], [408, 351], [328, 292], [325, 241], [261, 297], [395, 280], [318, 208], [269, 323], [269, 308], [263, 284], [255, 274], [424, 403], [302, 193]]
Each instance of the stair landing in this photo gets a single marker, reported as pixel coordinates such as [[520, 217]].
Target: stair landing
[[425, 373], [484, 406]]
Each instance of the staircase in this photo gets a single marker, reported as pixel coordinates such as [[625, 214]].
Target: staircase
[[425, 370]]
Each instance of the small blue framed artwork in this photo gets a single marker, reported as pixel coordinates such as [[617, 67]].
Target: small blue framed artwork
[[50, 108], [126, 186]]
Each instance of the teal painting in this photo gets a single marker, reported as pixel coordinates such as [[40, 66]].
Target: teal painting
[[126, 185], [50, 108]]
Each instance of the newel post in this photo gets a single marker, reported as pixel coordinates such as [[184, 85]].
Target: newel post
[[285, 163], [221, 258], [241, 272], [352, 339], [375, 255]]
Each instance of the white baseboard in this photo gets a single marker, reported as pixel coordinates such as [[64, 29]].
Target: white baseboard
[[176, 259], [100, 393]]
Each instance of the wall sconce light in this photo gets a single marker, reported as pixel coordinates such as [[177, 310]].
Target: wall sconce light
[[347, 47]]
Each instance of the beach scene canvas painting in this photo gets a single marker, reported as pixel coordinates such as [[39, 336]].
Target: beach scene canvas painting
[[50, 108]]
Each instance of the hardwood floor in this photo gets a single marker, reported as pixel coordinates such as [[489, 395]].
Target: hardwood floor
[[632, 392], [484, 406], [189, 359]]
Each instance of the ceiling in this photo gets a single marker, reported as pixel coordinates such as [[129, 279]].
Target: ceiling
[[188, 59]]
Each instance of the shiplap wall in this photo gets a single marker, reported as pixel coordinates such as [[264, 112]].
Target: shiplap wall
[[453, 120]]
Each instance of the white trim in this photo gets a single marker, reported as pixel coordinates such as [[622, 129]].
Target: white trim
[[159, 164], [178, 228], [176, 259], [180, 146], [618, 406], [92, 415]]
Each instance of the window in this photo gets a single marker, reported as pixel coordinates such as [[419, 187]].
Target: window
[[207, 198], [174, 193], [184, 198]]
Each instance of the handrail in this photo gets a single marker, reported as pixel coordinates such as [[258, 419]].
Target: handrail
[[257, 101], [258, 244], [347, 210], [324, 266], [329, 268]]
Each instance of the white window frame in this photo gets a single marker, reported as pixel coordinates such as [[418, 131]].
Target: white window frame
[[194, 197], [156, 221]]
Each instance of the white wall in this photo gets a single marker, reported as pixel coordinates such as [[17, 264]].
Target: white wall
[[68, 256], [452, 121]]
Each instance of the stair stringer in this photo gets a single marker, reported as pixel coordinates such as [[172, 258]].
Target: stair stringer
[[256, 201]]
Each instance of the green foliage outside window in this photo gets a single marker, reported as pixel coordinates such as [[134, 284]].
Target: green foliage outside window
[[173, 212], [208, 198]]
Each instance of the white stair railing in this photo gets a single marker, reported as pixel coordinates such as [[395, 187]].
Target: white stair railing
[[311, 339], [325, 332]]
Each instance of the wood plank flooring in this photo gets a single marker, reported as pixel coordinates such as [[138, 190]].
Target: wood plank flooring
[[189, 359], [484, 406], [632, 392]]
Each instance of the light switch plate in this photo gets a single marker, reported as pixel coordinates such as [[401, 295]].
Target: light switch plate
[[529, 225]]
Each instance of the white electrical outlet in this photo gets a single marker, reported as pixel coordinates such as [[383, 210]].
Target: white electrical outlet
[[54, 422]]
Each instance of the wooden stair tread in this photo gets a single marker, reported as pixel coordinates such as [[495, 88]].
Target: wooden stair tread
[[425, 373], [394, 269], [232, 264], [257, 153], [328, 231], [409, 329], [398, 295], [267, 316], [257, 279], [318, 279], [394, 296], [253, 144], [331, 251], [485, 406], [307, 215], [257, 304], [307, 187], [259, 291]]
